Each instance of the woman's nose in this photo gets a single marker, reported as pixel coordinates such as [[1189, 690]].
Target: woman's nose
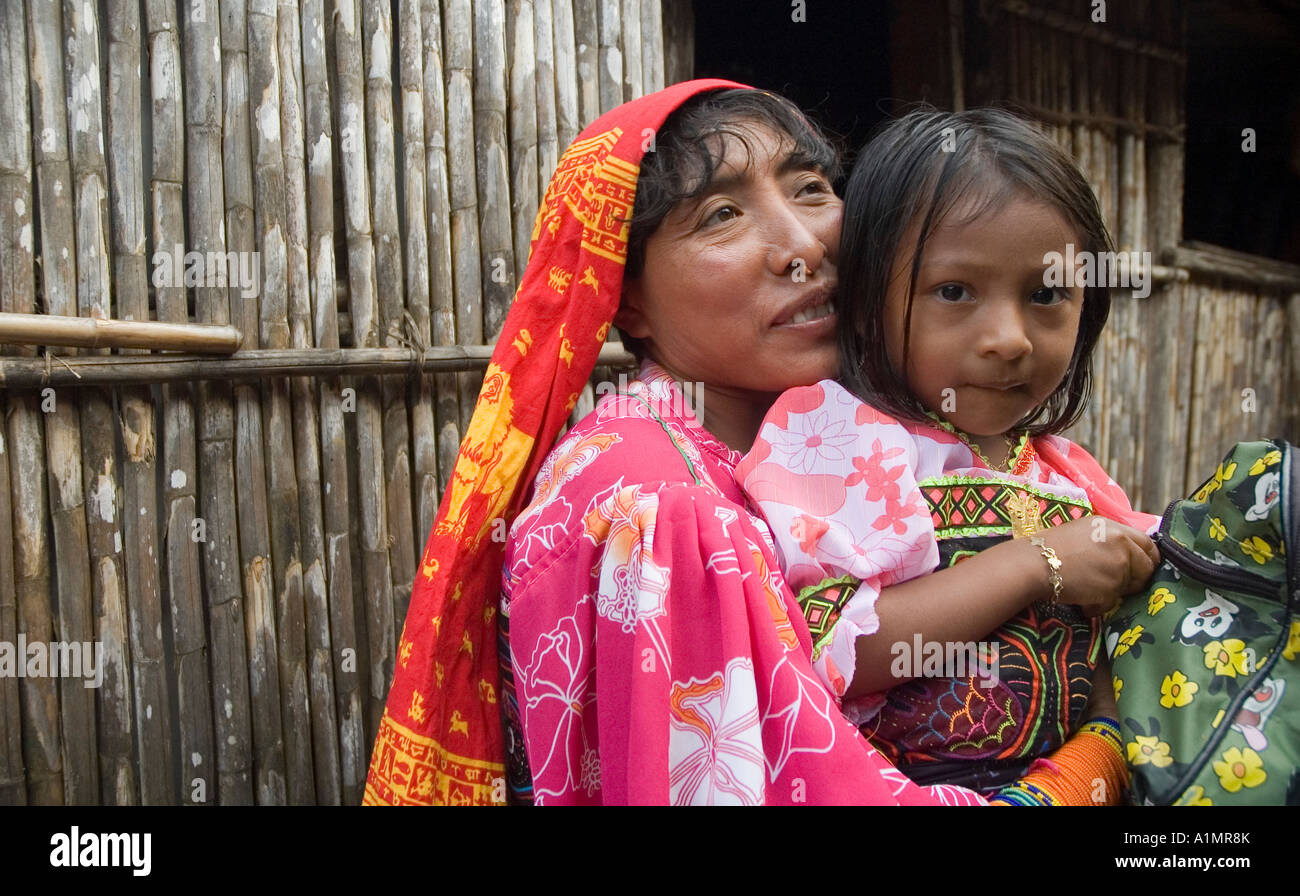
[[799, 239]]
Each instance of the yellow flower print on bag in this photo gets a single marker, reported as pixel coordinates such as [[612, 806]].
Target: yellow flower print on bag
[[1257, 549], [1176, 690], [1263, 463], [1292, 642], [1228, 658], [1129, 638], [1194, 796], [1159, 599], [1218, 531], [1118, 685], [1240, 768], [1149, 749], [1221, 475]]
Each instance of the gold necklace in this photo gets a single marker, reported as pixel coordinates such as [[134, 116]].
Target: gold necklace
[[1014, 447]]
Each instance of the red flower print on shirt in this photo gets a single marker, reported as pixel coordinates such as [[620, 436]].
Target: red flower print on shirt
[[881, 483]]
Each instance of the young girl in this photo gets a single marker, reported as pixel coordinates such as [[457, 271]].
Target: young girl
[[934, 526]]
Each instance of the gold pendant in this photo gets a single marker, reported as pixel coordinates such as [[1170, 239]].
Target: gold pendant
[[1026, 515]]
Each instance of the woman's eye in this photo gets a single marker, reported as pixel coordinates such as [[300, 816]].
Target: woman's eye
[[952, 292], [722, 215], [1047, 295], [815, 186]]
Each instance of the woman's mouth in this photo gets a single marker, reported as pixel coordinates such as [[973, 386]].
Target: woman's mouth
[[816, 312]]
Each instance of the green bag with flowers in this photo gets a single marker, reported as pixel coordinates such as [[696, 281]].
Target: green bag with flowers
[[1207, 660]]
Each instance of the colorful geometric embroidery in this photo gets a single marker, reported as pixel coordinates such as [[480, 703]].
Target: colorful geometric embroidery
[[821, 605], [963, 507]]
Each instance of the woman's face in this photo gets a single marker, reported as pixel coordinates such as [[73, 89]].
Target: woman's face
[[737, 286]]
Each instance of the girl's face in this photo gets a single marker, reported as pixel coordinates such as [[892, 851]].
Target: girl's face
[[989, 342]]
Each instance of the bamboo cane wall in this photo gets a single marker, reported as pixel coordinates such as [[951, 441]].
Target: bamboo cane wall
[[244, 549], [1212, 356]]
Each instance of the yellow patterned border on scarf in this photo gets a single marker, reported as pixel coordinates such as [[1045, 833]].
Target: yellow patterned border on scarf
[[411, 769]]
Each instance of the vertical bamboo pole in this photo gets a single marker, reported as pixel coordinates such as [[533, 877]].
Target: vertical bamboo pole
[[277, 412], [13, 788], [441, 329], [679, 41], [250, 452], [200, 746], [151, 712], [524, 87], [567, 120], [586, 37], [548, 150], [490, 148], [630, 44], [217, 528], [611, 57], [458, 45], [23, 519], [377, 25], [1245, 417], [306, 425], [652, 46], [1173, 315], [113, 727], [1292, 350], [424, 438], [353, 750], [1268, 374], [71, 761], [376, 573]]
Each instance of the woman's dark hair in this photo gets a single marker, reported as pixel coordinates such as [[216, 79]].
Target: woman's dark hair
[[690, 145], [914, 172]]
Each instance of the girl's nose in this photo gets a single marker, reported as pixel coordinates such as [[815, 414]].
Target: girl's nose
[[1003, 333]]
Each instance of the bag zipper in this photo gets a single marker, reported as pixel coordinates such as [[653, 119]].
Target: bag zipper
[[1234, 579]]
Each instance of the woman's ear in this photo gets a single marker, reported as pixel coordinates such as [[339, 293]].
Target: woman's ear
[[630, 317]]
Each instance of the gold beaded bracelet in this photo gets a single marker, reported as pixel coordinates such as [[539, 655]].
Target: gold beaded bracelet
[[1053, 567]]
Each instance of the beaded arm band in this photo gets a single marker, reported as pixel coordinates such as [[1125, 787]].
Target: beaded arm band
[[1088, 770]]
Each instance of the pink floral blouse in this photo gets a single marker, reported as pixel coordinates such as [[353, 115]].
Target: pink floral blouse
[[654, 652]]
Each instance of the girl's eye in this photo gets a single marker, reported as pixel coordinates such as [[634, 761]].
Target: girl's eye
[[1047, 295], [952, 292]]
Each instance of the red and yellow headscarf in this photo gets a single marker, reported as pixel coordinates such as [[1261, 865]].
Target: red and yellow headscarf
[[440, 739]]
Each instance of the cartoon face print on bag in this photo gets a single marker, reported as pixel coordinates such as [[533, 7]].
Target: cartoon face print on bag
[[1256, 711], [1213, 617], [1268, 489]]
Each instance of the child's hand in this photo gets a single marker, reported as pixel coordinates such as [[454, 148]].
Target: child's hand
[[1101, 562]]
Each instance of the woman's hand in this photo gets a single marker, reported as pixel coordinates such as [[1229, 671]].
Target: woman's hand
[[1101, 562]]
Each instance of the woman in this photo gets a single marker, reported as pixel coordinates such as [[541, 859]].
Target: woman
[[655, 651]]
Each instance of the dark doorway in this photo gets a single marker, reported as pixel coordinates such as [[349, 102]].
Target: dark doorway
[[833, 64]]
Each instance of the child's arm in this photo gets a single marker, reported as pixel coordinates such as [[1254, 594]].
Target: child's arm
[[967, 601]]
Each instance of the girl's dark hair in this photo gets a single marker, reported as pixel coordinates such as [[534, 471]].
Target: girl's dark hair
[[690, 145], [914, 171]]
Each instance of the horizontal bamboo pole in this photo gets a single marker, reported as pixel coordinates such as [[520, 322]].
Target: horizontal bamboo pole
[[1207, 261], [90, 332], [123, 370]]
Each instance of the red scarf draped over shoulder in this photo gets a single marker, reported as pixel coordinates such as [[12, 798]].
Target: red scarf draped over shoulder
[[440, 739]]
